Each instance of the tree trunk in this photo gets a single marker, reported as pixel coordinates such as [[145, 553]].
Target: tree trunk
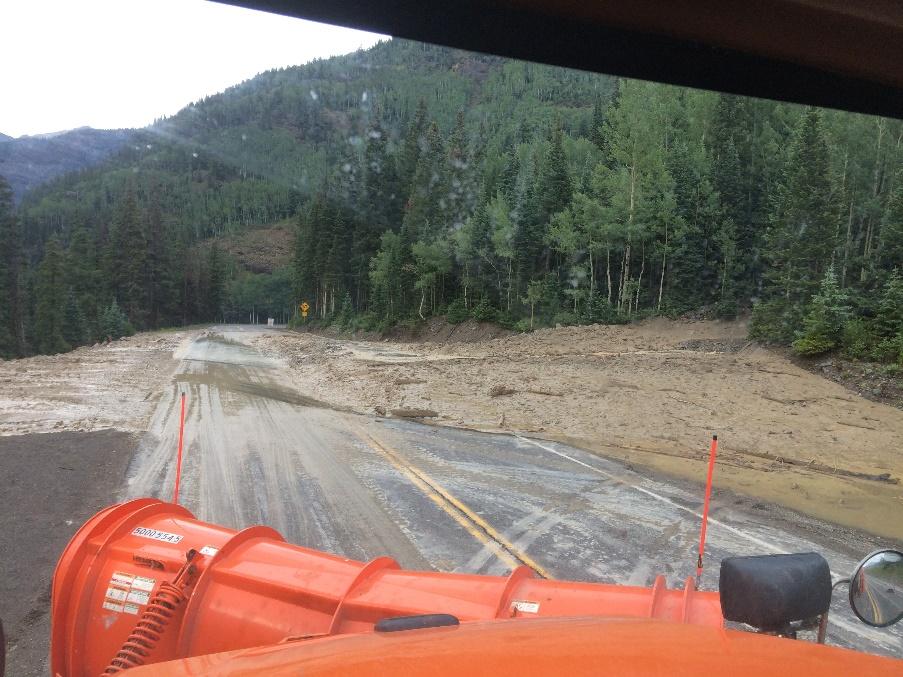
[[846, 247], [608, 271], [661, 280], [639, 281], [420, 309]]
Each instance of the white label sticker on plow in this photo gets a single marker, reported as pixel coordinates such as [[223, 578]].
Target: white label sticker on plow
[[122, 579], [138, 597], [143, 583], [164, 536], [526, 607], [116, 594]]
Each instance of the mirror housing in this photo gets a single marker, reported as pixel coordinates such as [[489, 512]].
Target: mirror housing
[[876, 588]]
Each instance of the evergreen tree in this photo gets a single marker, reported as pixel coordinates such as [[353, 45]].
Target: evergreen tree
[[597, 122], [83, 277], [825, 319], [891, 250], [50, 299], [114, 324], [75, 329], [130, 261], [802, 235], [216, 283], [556, 179], [890, 310], [160, 282], [414, 143], [10, 323]]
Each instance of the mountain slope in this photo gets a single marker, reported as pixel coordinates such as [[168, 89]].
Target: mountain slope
[[30, 161], [253, 153]]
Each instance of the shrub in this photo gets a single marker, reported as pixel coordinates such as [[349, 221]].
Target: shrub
[[483, 311], [772, 321], [726, 309], [858, 340], [889, 350], [564, 318], [457, 312], [813, 345], [114, 324], [597, 310], [522, 326]]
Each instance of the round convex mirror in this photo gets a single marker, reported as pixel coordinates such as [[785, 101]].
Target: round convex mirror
[[876, 588]]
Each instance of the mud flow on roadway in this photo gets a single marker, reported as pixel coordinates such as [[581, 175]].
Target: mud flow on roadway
[[258, 451]]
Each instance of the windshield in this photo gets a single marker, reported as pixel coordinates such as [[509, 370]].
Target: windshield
[[466, 311]]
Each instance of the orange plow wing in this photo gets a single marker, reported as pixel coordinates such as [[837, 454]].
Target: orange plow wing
[[125, 594]]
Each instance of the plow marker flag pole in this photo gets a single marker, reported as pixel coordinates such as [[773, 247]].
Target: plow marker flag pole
[[175, 493], [705, 508]]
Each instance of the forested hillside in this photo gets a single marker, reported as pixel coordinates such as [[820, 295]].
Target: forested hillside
[[29, 161], [426, 180]]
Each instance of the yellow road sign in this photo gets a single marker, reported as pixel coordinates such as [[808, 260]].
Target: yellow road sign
[[303, 313], [304, 307]]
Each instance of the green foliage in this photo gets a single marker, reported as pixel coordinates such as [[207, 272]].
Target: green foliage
[[858, 340], [9, 274], [75, 328], [427, 180], [890, 310], [599, 310], [775, 320], [484, 311], [825, 319], [114, 323], [50, 300], [889, 349], [456, 312]]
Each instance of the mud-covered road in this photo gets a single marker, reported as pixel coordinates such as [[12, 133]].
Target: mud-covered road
[[259, 451]]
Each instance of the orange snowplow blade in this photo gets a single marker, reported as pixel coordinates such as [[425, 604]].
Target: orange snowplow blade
[[249, 589], [551, 646]]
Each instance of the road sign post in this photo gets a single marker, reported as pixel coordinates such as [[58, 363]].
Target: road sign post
[[304, 307]]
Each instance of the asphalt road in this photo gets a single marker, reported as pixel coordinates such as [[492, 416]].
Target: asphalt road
[[259, 452]]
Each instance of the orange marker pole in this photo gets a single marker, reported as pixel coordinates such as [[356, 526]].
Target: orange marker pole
[[175, 493], [705, 508]]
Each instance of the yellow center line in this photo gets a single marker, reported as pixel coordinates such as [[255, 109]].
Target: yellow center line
[[475, 525]]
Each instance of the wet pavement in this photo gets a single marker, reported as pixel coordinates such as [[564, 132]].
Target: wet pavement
[[259, 452]]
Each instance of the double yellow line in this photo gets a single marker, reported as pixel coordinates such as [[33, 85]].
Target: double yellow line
[[475, 525]]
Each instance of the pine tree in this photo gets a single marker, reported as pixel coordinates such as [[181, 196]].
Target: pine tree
[[83, 277], [802, 236], [425, 206], [130, 260], [414, 142], [50, 299], [891, 250], [9, 261], [597, 123], [160, 270], [556, 179], [75, 329], [216, 283], [382, 193], [114, 324], [889, 318], [825, 318]]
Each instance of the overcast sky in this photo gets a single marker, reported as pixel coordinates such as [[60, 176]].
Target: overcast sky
[[122, 63]]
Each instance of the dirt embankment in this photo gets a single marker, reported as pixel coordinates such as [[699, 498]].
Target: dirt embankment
[[651, 394]]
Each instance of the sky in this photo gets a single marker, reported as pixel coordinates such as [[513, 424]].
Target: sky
[[122, 63]]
